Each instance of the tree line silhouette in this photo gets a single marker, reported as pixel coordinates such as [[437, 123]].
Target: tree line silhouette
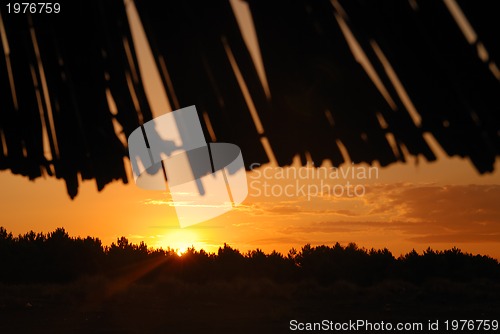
[[56, 257]]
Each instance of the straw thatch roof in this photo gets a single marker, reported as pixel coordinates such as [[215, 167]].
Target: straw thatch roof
[[418, 72]]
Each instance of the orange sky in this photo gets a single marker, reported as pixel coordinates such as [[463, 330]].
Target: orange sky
[[441, 205]]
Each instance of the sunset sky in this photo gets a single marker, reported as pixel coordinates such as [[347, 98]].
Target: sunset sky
[[413, 205], [441, 205]]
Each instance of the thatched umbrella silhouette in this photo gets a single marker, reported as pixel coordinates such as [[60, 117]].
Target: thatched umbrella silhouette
[[57, 73]]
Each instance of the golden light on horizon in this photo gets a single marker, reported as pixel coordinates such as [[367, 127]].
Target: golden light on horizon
[[180, 239]]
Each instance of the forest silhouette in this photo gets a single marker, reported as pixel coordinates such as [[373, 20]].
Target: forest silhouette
[[56, 257]]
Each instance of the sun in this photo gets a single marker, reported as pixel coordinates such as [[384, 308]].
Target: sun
[[182, 249], [180, 239]]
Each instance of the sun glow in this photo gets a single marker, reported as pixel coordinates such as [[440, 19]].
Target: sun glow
[[180, 240]]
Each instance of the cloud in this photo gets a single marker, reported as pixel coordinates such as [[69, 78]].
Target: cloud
[[401, 212], [345, 227], [421, 213], [429, 213], [150, 201], [457, 238]]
